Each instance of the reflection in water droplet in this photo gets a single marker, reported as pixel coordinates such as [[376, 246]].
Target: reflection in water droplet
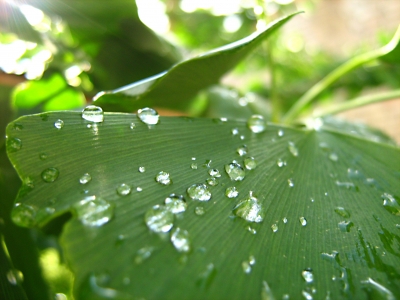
[[214, 173], [199, 192], [159, 219], [307, 275], [15, 276], [175, 203], [376, 290], [93, 113], [163, 178], [148, 116], [59, 124], [249, 209], [250, 163], [231, 192], [333, 157], [256, 123], [193, 166], [212, 181], [242, 150], [93, 211], [235, 171], [180, 240], [142, 169], [390, 204], [199, 210], [23, 215], [85, 178], [345, 226], [14, 144], [281, 163], [342, 212], [303, 221], [124, 189], [274, 227], [143, 253], [50, 175], [293, 149], [266, 293], [290, 182]]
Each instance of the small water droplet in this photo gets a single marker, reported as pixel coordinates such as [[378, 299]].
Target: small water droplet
[[346, 185], [193, 158], [175, 203], [142, 169], [242, 150], [43, 156], [256, 123], [250, 163], [85, 178], [139, 189], [59, 124], [199, 210], [235, 171], [214, 173], [124, 189], [274, 227], [15, 276], [94, 212], [132, 125], [148, 116], [235, 131], [345, 226], [212, 181], [163, 178], [231, 192], [143, 253], [307, 275], [193, 166], [284, 220], [293, 149], [159, 219], [180, 240], [199, 192], [281, 163], [390, 204], [306, 295], [290, 182], [50, 175], [249, 209], [303, 221], [14, 144], [333, 157], [246, 267], [281, 133], [342, 212], [207, 164], [251, 230], [242, 137], [252, 260], [93, 113]]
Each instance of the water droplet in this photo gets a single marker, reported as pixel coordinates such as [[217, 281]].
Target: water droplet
[[143, 253], [60, 296], [284, 220], [354, 174], [159, 219], [15, 276], [180, 240], [148, 116], [308, 276], [199, 210], [333, 157], [199, 192], [235, 131], [193, 166], [251, 230], [93, 211], [212, 181], [306, 295], [59, 124], [281, 133], [377, 290], [193, 158], [250, 163], [163, 178], [18, 127], [324, 146], [132, 125], [246, 267], [175, 203], [231, 192], [266, 293], [390, 204], [397, 226], [85, 178], [50, 175], [303, 221], [139, 189], [249, 209], [256, 123], [347, 185], [42, 156], [93, 113], [235, 171], [274, 227], [214, 173], [14, 144], [281, 163], [342, 212], [345, 226], [293, 149], [142, 169], [242, 150], [207, 163], [242, 137], [124, 189], [207, 276], [290, 182]]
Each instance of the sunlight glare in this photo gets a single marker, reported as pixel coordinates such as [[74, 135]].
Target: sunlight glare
[[153, 14], [33, 15], [232, 23], [217, 7]]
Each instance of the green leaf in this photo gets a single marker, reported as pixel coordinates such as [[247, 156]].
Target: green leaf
[[332, 200], [179, 84]]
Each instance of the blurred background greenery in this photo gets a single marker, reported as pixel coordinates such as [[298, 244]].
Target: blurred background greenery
[[58, 54]]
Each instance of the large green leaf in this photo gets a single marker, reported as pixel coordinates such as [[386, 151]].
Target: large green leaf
[[330, 202], [176, 86]]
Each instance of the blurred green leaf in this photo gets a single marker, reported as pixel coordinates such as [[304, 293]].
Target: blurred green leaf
[[173, 89], [328, 205]]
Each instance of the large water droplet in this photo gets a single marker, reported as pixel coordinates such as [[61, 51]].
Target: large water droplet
[[249, 209], [390, 204], [93, 211], [180, 240], [256, 123], [199, 192], [148, 116], [303, 221], [250, 163], [14, 144], [231, 192], [342, 212], [235, 171], [15, 276], [175, 203], [345, 226], [50, 175], [85, 178], [23, 215], [159, 219], [274, 227], [143, 253], [93, 113], [163, 178], [293, 149], [307, 275], [214, 173], [124, 189]]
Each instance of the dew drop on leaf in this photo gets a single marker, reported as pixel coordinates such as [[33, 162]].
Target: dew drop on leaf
[[43, 156], [15, 276], [333, 157], [14, 144], [231, 192], [345, 226], [342, 212], [250, 163], [274, 227], [143, 253], [94, 212], [281, 133], [124, 189], [85, 178], [50, 175], [242, 150], [284, 220], [180, 240], [307, 275], [193, 166], [212, 181], [199, 192], [132, 125], [346, 185], [93, 113], [303, 221], [159, 219], [390, 204], [249, 209], [256, 123], [148, 116], [280, 163], [290, 182], [293, 149], [246, 267], [163, 178], [235, 131], [59, 124], [199, 210], [142, 169], [214, 173], [175, 203], [235, 171]]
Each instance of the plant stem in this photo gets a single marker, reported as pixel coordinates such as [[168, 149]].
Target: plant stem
[[345, 68], [357, 102]]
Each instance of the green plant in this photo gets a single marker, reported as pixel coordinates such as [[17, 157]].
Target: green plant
[[261, 210]]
